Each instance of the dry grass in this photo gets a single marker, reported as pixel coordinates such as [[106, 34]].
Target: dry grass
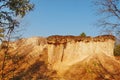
[[20, 65], [23, 68], [94, 69]]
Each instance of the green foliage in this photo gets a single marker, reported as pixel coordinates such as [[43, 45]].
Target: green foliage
[[83, 34], [20, 7], [117, 50], [9, 10]]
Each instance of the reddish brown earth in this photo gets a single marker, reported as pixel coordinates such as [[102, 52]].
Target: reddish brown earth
[[117, 58]]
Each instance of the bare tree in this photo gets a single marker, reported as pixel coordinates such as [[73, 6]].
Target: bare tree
[[110, 12]]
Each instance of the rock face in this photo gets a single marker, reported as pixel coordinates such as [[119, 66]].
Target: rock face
[[25, 59], [33, 46], [61, 58], [64, 51]]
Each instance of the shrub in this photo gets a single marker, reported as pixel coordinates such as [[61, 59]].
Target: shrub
[[117, 50], [83, 34]]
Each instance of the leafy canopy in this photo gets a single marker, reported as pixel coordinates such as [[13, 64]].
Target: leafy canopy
[[9, 10]]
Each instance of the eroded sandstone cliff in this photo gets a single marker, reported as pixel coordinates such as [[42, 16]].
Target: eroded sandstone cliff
[[64, 51], [61, 58]]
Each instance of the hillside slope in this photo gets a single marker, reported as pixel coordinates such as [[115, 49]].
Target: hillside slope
[[61, 58]]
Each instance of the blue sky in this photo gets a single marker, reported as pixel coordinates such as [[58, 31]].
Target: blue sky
[[60, 17]]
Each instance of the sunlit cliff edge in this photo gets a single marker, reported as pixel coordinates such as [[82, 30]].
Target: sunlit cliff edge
[[68, 50], [61, 57]]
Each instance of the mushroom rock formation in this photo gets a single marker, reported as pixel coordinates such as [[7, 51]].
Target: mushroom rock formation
[[65, 51], [68, 57]]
